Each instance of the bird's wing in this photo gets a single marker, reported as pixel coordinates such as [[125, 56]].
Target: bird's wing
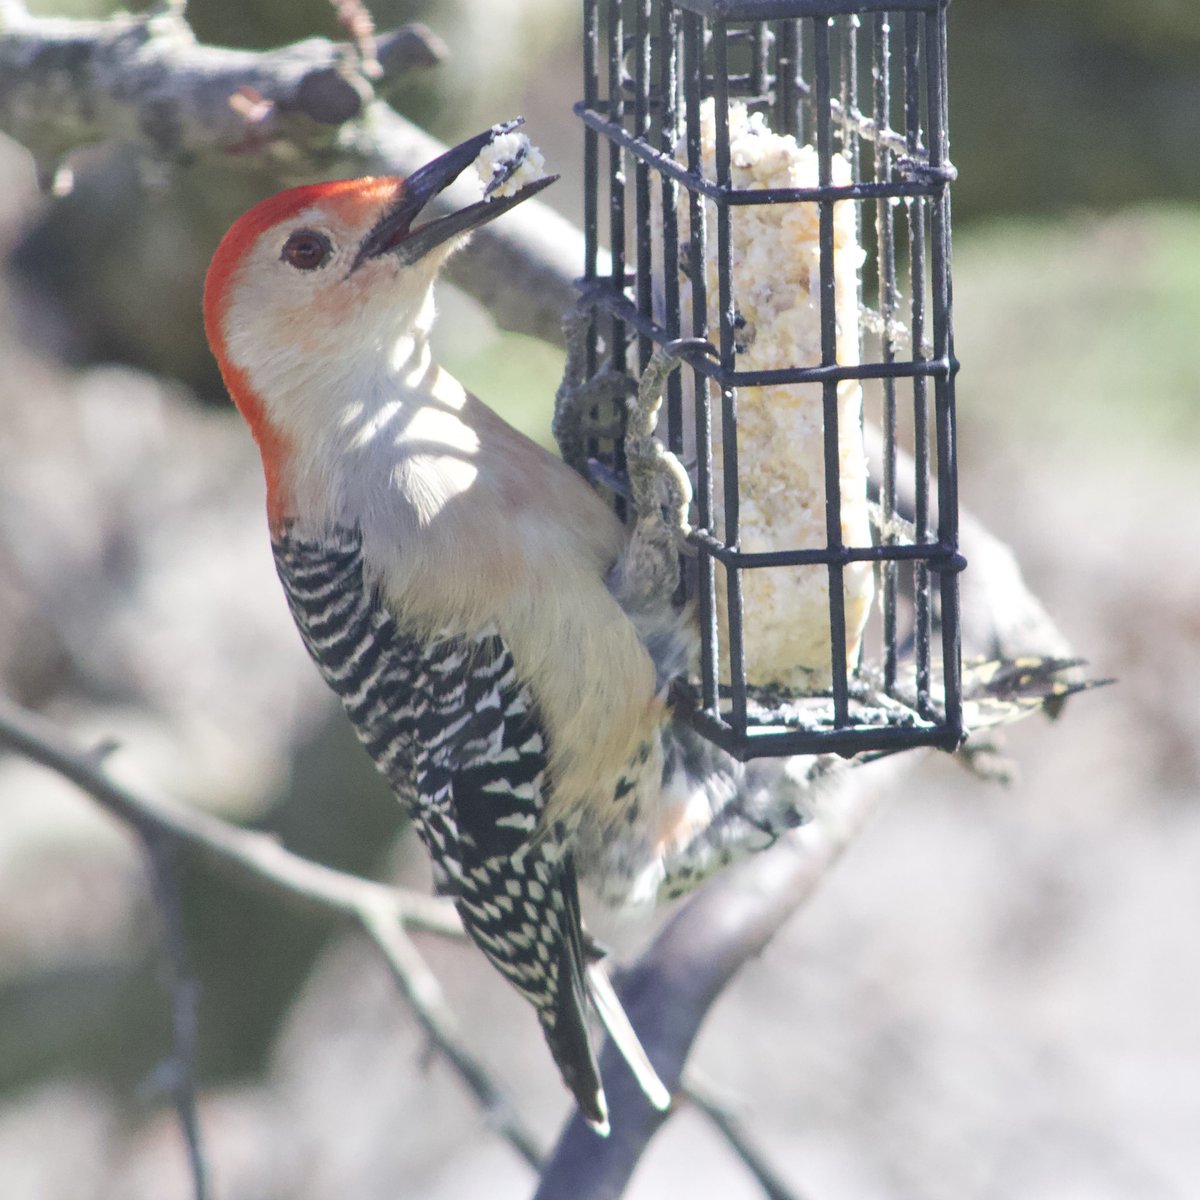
[[481, 783], [457, 735]]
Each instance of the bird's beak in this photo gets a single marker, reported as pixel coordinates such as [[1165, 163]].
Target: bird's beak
[[395, 235]]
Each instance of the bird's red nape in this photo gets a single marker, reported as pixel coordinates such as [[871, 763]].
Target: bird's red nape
[[342, 194]]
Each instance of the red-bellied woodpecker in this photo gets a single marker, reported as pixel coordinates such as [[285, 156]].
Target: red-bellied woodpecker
[[460, 589], [472, 601]]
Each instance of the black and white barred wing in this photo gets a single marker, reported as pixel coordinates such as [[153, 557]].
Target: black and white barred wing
[[480, 778], [448, 724]]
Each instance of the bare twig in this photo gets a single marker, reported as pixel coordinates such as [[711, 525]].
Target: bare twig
[[740, 1141], [253, 856], [424, 995], [180, 1072], [357, 21], [384, 913]]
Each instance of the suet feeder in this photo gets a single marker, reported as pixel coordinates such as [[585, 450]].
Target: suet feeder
[[772, 176]]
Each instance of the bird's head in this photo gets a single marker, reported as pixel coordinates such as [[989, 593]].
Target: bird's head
[[316, 279]]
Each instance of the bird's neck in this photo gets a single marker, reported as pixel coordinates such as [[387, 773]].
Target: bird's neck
[[335, 431], [394, 437]]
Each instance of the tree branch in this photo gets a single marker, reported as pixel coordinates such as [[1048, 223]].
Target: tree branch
[[249, 855], [384, 913], [306, 111], [145, 81]]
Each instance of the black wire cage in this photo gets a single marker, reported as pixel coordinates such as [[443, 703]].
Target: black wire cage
[[772, 176]]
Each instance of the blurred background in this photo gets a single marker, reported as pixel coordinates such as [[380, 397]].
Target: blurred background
[[997, 993]]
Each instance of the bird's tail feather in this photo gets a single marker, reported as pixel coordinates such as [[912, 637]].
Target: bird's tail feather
[[565, 1028], [581, 978], [613, 1017]]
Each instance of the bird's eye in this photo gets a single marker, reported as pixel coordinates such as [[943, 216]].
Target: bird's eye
[[306, 250]]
